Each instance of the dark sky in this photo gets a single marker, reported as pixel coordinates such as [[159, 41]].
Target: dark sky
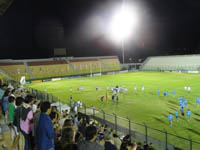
[[32, 28]]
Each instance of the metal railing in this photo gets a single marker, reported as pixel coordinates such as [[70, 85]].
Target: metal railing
[[140, 131]]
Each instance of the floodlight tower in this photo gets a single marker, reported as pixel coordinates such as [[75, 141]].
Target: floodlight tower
[[123, 23]]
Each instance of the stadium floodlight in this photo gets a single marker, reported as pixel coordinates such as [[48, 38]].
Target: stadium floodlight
[[123, 24]]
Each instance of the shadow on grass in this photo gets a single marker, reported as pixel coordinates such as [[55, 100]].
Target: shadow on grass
[[193, 131], [159, 120], [196, 114], [197, 119], [172, 102], [173, 108]]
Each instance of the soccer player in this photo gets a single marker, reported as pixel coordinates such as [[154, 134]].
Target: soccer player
[[97, 88], [180, 101], [188, 114], [117, 99], [173, 92], [135, 88], [189, 89], [197, 100], [170, 118], [185, 88], [182, 111], [167, 94], [185, 102], [176, 115], [158, 92], [102, 97], [142, 88], [113, 98], [71, 89]]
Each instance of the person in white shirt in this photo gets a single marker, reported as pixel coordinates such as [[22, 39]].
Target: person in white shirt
[[185, 88], [189, 89], [142, 88]]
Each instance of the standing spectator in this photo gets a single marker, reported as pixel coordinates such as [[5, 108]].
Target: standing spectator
[[89, 143], [11, 113], [36, 119], [5, 104], [75, 120], [19, 139], [26, 121], [11, 109], [45, 133]]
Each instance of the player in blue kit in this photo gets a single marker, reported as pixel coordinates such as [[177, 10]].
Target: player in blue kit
[[170, 118], [176, 115], [173, 92], [197, 100], [158, 92], [188, 114]]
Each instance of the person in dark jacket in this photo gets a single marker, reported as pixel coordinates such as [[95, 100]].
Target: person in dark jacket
[[67, 141], [108, 138], [90, 141]]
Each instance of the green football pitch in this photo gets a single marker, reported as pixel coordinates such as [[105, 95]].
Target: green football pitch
[[139, 106]]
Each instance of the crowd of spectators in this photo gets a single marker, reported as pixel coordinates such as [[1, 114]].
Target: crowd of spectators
[[37, 125]]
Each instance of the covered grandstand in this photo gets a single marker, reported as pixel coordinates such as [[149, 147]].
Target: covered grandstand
[[172, 63]]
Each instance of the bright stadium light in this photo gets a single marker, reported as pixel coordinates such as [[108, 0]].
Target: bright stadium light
[[123, 24]]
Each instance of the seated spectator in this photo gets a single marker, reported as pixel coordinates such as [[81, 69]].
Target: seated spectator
[[128, 143], [117, 141], [79, 137], [45, 133], [67, 141], [108, 141], [68, 123], [89, 143]]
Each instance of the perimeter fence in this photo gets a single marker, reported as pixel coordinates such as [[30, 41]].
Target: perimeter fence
[[161, 139]]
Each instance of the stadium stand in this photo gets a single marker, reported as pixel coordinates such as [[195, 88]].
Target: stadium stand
[[51, 67], [45, 69], [174, 63], [14, 69], [110, 64]]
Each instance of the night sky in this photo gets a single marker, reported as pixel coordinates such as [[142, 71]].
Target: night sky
[[32, 28]]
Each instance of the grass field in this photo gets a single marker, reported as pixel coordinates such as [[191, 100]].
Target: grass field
[[139, 106]]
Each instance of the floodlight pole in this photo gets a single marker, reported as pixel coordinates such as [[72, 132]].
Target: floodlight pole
[[123, 50]]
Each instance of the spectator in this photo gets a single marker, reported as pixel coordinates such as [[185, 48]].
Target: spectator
[[11, 109], [26, 121], [75, 120], [11, 113], [117, 141], [89, 143], [45, 133], [108, 141], [67, 141], [126, 143], [19, 138], [36, 119], [68, 123], [5, 104]]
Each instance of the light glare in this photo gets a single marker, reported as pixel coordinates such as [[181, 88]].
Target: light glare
[[123, 23]]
